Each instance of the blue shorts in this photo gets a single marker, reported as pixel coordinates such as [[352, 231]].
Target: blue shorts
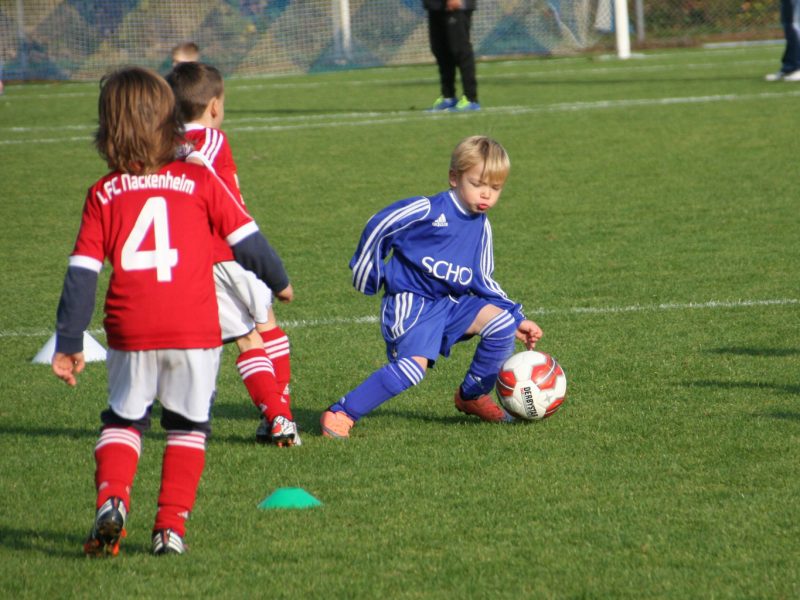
[[417, 326]]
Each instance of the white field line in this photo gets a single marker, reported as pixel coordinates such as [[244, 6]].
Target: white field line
[[397, 117], [576, 310], [538, 69]]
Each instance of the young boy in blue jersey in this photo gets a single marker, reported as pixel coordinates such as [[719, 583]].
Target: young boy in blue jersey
[[438, 289]]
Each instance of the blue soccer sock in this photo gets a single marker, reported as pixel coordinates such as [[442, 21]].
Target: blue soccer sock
[[496, 345], [385, 383]]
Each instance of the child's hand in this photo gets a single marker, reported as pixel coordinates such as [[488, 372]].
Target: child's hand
[[529, 333], [66, 366], [286, 294]]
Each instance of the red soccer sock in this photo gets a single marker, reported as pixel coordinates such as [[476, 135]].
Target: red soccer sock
[[184, 460], [258, 376], [276, 345], [116, 456]]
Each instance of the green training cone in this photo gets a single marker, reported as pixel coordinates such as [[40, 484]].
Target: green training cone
[[289, 498]]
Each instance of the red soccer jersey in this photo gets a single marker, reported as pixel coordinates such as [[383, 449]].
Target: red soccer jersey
[[157, 232], [211, 146]]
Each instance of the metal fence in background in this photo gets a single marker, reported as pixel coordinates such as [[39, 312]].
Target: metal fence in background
[[81, 39]]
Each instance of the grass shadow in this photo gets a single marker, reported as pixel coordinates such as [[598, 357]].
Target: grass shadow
[[50, 432], [307, 420], [54, 543], [793, 389], [749, 351], [781, 415]]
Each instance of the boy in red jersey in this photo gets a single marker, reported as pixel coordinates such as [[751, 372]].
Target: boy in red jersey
[[245, 304], [151, 217]]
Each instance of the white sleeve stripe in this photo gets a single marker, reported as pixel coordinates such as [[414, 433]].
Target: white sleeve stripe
[[241, 233], [212, 144], [487, 262], [85, 262], [203, 158], [369, 252], [390, 219], [231, 195], [372, 243]]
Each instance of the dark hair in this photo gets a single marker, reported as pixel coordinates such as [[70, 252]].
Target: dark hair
[[195, 84], [138, 128]]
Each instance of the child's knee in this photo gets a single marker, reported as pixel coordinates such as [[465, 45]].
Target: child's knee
[[501, 328], [249, 341], [408, 372]]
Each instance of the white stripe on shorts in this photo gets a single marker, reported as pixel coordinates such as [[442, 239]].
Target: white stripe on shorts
[[402, 311]]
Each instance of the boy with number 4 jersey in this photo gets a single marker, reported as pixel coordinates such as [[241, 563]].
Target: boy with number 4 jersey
[[152, 218], [245, 303], [438, 289]]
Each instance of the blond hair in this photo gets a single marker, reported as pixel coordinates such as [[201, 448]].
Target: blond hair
[[479, 149], [138, 127], [185, 52]]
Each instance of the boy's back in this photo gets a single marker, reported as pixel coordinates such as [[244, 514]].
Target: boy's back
[[161, 271]]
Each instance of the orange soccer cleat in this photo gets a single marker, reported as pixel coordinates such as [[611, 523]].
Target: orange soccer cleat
[[336, 424], [482, 407]]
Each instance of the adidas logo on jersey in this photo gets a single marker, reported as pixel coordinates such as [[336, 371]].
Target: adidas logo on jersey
[[440, 221]]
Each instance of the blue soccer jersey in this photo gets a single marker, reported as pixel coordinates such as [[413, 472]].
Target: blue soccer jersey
[[437, 249]]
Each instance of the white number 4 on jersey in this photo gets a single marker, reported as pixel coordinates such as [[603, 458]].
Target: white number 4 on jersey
[[163, 258]]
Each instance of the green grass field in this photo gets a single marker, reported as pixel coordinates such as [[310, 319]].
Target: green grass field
[[650, 226]]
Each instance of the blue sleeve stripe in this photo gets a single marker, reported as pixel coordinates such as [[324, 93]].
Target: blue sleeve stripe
[[391, 224]]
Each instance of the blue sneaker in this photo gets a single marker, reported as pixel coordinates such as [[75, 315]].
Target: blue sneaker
[[464, 105], [443, 103]]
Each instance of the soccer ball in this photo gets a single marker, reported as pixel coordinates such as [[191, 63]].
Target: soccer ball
[[531, 385]]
